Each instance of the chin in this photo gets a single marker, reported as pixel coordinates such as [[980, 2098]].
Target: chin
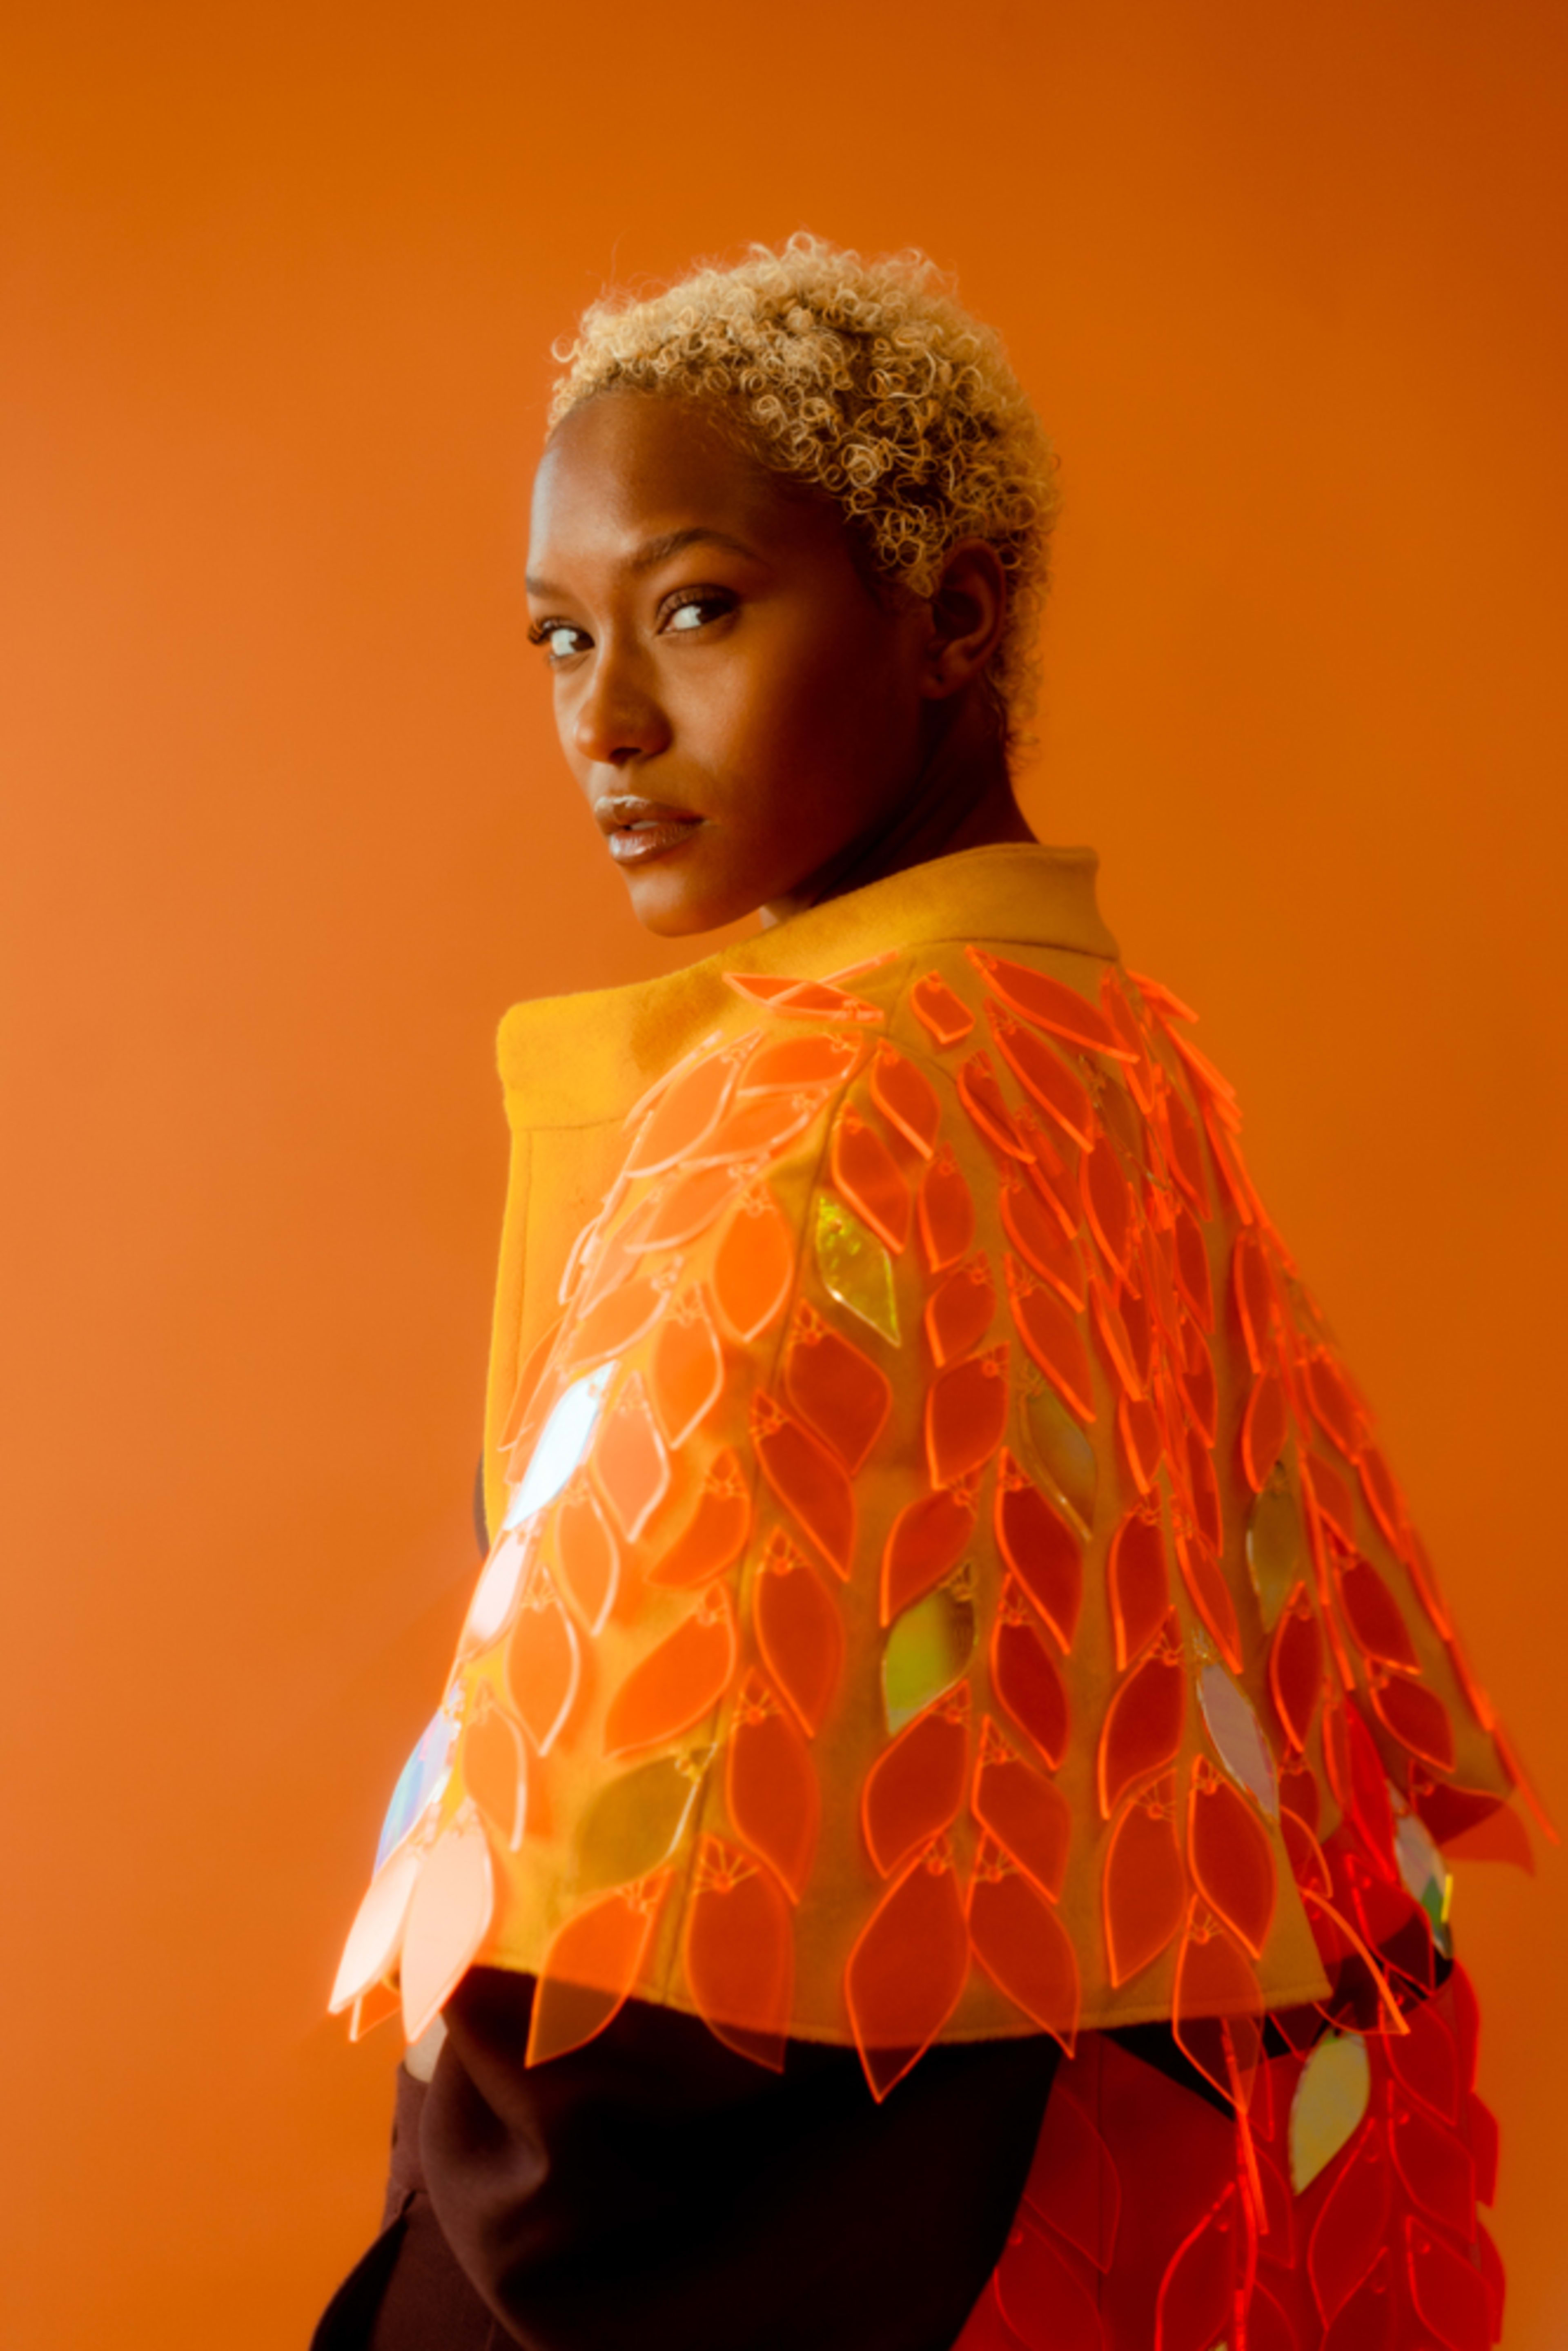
[[671, 909]]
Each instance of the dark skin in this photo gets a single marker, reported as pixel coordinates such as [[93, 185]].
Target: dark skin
[[756, 722]]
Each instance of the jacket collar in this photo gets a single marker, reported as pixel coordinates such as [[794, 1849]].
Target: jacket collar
[[576, 1060]]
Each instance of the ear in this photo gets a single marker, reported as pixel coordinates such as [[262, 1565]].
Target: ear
[[968, 612]]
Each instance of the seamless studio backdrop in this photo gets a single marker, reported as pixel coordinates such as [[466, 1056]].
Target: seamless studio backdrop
[[286, 830]]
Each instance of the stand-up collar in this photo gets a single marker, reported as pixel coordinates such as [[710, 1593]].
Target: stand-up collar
[[572, 1060]]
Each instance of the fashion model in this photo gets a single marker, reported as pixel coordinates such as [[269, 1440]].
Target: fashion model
[[935, 1833]]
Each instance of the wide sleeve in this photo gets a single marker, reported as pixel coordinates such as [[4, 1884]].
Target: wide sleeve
[[951, 1588]]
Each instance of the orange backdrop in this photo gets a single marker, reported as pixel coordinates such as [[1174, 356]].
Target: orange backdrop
[[286, 831]]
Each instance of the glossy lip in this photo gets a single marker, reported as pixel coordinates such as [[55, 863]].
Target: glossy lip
[[638, 831]]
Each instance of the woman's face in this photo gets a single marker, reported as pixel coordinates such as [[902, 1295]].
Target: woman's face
[[736, 704]]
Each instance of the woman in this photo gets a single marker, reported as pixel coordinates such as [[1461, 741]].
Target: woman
[[933, 1833]]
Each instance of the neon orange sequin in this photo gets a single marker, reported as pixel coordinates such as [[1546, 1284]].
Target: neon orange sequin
[[797, 1632], [960, 1313], [906, 1099], [769, 1787], [1052, 1338], [1145, 1721], [914, 1788], [679, 1682], [754, 1264], [1043, 1075], [1040, 1549], [866, 1176], [1145, 1889], [966, 1412], [926, 1540], [714, 1535], [946, 1212], [1027, 1679], [807, 1480], [1022, 1811], [841, 1395], [1138, 1582]]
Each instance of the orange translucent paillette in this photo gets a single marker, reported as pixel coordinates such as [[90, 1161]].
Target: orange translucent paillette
[[946, 1583]]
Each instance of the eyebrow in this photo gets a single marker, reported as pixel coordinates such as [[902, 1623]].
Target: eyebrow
[[654, 551]]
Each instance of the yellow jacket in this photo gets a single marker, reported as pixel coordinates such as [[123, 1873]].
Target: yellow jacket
[[945, 1583]]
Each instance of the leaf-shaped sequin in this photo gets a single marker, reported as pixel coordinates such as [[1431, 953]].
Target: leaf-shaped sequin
[[495, 1772], [1052, 1338], [714, 1535], [1415, 1715], [807, 1480], [866, 1176], [544, 1665], [685, 1114], [1237, 1737], [906, 1099], [914, 1790], [591, 1967], [1145, 1721], [1231, 1858], [1036, 2288], [1333, 1401], [1217, 2008], [1331, 2100], [801, 1000], [1044, 1075], [1296, 1667], [1038, 1236], [1063, 1451], [1144, 1886], [1350, 2227], [686, 1204], [757, 1129], [1073, 2184], [685, 1371], [1115, 1339], [797, 1632], [1026, 1814], [617, 1322], [739, 1953], [678, 1682], [588, 1560], [1436, 2169], [946, 1211], [1376, 1625], [1139, 1582], [1041, 1550], [944, 1016], [1192, 1274], [906, 1970], [630, 1462], [927, 1540], [966, 1414], [797, 1064], [1026, 1677], [754, 1264], [1450, 2293], [1197, 2294], [1264, 1429], [1049, 1004], [841, 1395], [959, 1312], [1186, 1151], [1108, 1204], [376, 1936], [770, 1788], [928, 1649], [855, 1268], [982, 1098], [635, 1820], [1023, 1946], [1208, 1591], [448, 1920], [1276, 1545], [1142, 1433]]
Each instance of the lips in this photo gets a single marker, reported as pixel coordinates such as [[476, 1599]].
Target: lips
[[638, 831]]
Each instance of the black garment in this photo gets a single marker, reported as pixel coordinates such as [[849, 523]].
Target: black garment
[[655, 2192]]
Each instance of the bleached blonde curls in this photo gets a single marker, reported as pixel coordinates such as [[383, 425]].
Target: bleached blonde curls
[[864, 379]]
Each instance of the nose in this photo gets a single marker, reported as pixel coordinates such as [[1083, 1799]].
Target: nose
[[618, 717]]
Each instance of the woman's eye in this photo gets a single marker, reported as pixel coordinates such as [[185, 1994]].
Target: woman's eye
[[695, 608], [559, 639]]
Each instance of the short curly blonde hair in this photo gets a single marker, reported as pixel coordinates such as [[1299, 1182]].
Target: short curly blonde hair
[[866, 380]]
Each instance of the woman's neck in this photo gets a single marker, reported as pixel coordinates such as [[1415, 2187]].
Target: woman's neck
[[962, 798]]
